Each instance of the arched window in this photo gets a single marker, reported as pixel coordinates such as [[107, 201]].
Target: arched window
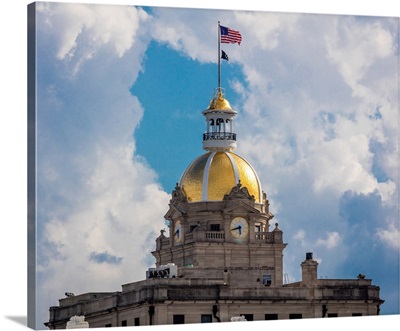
[[219, 122]]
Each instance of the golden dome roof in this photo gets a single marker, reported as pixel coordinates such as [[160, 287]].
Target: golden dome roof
[[219, 103], [214, 174]]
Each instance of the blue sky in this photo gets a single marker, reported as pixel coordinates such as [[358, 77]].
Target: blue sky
[[120, 95]]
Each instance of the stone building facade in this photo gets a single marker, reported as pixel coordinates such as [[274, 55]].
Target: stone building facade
[[223, 256]]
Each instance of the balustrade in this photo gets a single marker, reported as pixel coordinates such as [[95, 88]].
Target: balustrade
[[219, 136], [265, 236], [215, 235]]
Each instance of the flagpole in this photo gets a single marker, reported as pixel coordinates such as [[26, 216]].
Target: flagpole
[[219, 57]]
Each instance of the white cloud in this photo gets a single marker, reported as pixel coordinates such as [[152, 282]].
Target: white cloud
[[265, 33], [99, 235], [94, 192], [315, 121], [113, 211], [309, 128], [332, 241], [300, 235], [355, 47], [390, 236], [83, 29]]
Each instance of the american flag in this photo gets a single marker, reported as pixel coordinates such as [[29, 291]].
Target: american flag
[[229, 36]]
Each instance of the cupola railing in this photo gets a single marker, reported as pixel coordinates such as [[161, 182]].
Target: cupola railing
[[219, 136]]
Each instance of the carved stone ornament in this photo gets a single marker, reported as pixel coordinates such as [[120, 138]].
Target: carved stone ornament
[[178, 195], [77, 322], [239, 192]]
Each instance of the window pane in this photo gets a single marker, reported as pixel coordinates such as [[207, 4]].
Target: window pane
[[248, 317], [179, 319], [267, 280], [214, 227], [206, 318]]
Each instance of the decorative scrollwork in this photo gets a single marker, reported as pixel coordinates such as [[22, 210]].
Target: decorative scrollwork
[[239, 192], [178, 195]]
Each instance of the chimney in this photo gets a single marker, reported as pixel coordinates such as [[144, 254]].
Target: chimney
[[309, 270]]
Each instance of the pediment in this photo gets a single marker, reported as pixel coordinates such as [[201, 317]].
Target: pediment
[[241, 207], [173, 212]]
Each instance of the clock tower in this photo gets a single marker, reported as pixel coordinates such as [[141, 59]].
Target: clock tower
[[219, 218]]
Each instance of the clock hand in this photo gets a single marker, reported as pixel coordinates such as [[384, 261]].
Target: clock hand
[[238, 228], [176, 233]]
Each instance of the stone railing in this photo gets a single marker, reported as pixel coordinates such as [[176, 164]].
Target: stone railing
[[219, 136], [218, 236], [214, 235], [265, 236], [189, 236]]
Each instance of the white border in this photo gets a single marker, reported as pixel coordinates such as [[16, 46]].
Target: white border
[[13, 124]]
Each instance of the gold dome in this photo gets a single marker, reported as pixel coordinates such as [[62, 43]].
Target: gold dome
[[214, 174], [219, 103]]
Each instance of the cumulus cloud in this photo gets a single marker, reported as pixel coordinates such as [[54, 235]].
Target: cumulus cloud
[[111, 213], [390, 235], [92, 186], [313, 111], [354, 48], [332, 240], [83, 29], [265, 33]]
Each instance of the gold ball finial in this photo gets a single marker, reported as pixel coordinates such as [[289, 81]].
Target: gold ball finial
[[219, 102]]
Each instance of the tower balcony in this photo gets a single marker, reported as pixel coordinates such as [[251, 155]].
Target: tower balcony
[[219, 136], [219, 236], [219, 141]]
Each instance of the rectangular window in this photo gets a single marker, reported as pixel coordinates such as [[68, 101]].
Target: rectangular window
[[270, 317], [267, 280], [248, 317], [295, 316], [108, 325], [215, 227], [179, 319], [206, 318], [258, 228], [137, 321], [332, 315], [124, 323], [356, 314]]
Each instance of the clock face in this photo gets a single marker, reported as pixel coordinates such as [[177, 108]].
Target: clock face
[[178, 232], [239, 228]]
